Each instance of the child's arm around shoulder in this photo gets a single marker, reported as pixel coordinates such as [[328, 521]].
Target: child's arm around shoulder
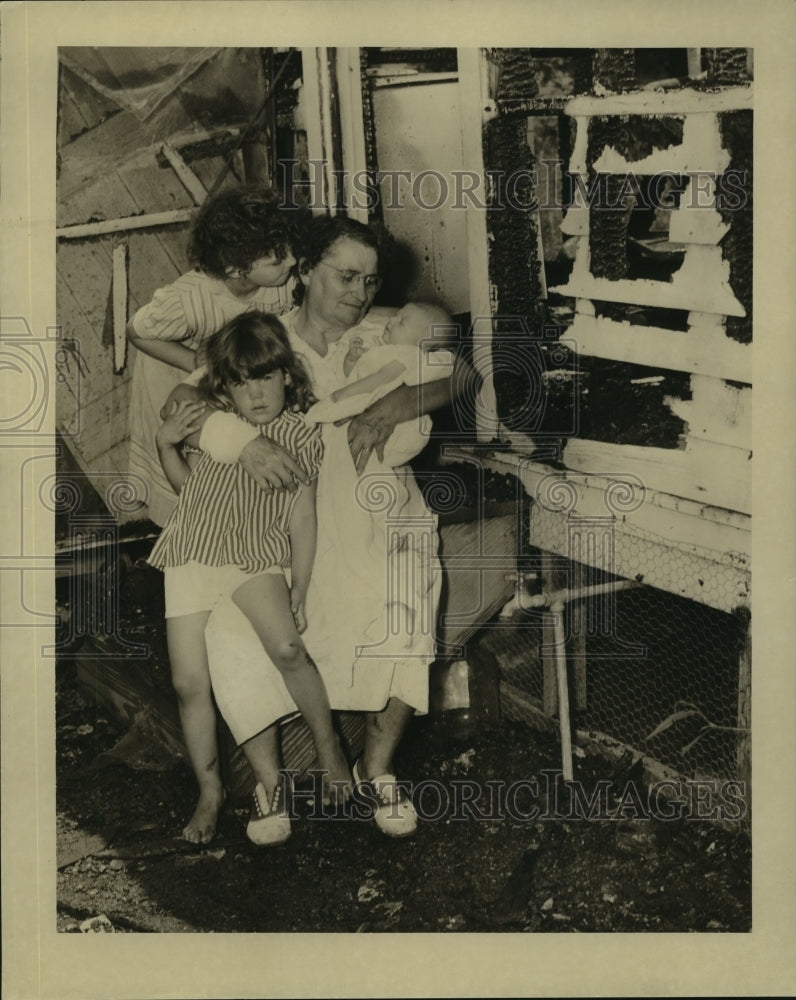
[[179, 426]]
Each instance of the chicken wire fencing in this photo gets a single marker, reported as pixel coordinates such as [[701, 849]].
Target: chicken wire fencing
[[661, 667]]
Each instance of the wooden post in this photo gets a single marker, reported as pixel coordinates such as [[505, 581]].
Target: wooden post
[[119, 306], [476, 107], [744, 752], [352, 129], [576, 648]]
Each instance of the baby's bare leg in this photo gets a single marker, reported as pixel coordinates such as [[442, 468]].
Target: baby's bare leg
[[265, 600], [190, 676]]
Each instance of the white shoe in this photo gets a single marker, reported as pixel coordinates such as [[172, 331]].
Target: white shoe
[[268, 824], [394, 814]]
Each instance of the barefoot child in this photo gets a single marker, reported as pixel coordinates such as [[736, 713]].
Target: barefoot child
[[240, 246], [227, 537]]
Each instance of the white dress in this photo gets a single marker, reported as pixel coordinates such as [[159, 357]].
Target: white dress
[[373, 595]]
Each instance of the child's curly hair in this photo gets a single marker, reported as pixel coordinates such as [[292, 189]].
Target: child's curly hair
[[240, 225], [252, 345]]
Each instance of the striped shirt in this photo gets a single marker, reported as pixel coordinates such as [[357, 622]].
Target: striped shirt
[[194, 306], [222, 516]]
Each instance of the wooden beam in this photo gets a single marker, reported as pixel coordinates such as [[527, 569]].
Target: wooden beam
[[716, 474], [407, 79], [681, 522], [191, 182], [352, 129], [316, 103], [476, 107], [701, 283], [699, 151], [119, 306], [671, 102], [700, 350], [124, 225]]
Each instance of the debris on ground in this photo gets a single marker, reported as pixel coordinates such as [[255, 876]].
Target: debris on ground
[[481, 860]]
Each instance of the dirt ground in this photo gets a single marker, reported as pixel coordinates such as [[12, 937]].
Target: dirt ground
[[492, 864]]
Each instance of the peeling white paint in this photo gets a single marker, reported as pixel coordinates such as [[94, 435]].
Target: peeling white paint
[[702, 283], [716, 412], [577, 162], [703, 349], [700, 150], [671, 102]]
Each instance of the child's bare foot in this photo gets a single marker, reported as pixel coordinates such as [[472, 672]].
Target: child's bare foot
[[337, 782], [201, 827]]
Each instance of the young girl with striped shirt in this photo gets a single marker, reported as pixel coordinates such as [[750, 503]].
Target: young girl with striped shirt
[[229, 538]]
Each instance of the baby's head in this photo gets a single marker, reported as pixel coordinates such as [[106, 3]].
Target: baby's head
[[420, 322]]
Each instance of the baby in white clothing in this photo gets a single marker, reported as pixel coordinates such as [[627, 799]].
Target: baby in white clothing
[[409, 352]]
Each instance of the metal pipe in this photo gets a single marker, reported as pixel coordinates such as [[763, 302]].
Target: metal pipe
[[557, 613], [518, 601], [556, 601], [565, 595]]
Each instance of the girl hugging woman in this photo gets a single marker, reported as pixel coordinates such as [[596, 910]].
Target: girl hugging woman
[[229, 538]]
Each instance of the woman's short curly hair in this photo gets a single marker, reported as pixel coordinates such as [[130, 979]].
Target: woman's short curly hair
[[318, 237], [238, 226]]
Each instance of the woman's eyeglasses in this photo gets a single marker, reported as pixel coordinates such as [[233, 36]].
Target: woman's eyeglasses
[[372, 282]]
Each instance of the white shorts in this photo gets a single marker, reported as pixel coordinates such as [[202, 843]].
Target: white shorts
[[194, 587]]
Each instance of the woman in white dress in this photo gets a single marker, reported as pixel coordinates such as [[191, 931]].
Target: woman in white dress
[[375, 583]]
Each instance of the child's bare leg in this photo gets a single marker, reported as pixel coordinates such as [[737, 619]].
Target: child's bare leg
[[265, 601], [190, 676]]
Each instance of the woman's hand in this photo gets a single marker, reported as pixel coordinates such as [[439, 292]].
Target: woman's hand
[[370, 430], [181, 421], [271, 467]]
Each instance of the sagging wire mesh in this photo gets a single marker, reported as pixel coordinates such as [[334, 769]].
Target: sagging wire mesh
[[662, 669]]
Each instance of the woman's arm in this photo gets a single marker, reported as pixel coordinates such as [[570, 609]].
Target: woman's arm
[[228, 439], [303, 531], [171, 352], [371, 429]]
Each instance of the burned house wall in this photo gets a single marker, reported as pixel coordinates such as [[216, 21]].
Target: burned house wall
[[659, 292], [652, 319], [736, 129]]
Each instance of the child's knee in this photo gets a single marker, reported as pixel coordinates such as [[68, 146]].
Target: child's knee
[[289, 655]]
